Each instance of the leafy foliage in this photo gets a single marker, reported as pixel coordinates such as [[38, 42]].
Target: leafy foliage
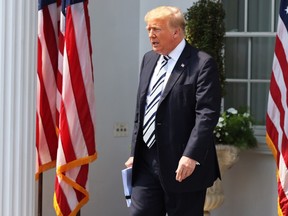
[[235, 128], [205, 30]]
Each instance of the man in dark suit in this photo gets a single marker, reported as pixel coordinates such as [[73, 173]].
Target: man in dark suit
[[173, 152]]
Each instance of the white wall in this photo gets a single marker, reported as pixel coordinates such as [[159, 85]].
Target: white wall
[[116, 47], [250, 187], [119, 40]]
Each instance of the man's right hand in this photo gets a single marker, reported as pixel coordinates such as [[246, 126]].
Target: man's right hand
[[129, 162]]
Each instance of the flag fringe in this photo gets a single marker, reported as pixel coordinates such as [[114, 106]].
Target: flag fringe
[[76, 163], [271, 146], [66, 167], [44, 168], [280, 213], [77, 208], [274, 152]]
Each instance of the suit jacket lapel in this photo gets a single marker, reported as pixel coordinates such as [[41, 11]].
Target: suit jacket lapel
[[180, 66], [146, 74]]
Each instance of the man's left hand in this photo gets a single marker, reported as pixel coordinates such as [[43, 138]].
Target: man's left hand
[[185, 168]]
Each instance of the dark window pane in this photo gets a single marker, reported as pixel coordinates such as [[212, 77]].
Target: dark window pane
[[262, 57], [234, 21], [236, 96], [259, 15], [259, 99], [236, 52]]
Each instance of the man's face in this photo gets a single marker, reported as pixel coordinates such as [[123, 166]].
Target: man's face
[[162, 37]]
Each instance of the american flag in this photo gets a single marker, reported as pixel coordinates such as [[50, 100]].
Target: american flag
[[46, 132], [277, 111], [76, 146]]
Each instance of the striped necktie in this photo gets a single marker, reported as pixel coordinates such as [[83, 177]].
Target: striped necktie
[[152, 104]]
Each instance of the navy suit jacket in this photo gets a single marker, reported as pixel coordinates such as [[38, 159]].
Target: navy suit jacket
[[187, 114]]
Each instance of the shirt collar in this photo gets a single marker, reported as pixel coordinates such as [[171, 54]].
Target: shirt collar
[[175, 54]]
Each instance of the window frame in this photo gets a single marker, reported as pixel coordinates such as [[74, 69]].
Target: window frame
[[259, 130]]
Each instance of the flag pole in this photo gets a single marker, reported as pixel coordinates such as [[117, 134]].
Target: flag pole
[[40, 192], [78, 214]]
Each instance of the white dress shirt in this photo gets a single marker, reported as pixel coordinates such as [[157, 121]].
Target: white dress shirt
[[174, 56]]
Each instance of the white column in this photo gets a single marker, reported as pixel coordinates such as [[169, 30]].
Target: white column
[[18, 37]]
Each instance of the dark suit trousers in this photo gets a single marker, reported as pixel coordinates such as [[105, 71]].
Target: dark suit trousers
[[149, 197]]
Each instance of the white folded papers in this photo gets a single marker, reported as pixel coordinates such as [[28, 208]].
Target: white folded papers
[[127, 184]]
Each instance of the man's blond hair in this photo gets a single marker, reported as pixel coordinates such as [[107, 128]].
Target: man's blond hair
[[173, 14]]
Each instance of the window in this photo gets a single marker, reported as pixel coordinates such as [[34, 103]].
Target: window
[[249, 48]]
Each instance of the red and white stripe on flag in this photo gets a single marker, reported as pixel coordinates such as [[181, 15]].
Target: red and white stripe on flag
[[76, 147], [46, 132], [277, 111], [60, 62]]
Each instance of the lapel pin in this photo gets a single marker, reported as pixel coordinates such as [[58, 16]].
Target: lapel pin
[[182, 65]]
